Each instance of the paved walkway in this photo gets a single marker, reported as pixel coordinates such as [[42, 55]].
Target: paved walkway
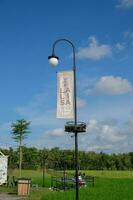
[[4, 196]]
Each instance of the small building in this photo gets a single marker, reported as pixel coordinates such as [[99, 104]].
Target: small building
[[3, 168]]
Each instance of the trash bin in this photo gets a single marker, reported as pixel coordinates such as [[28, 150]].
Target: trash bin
[[24, 186]]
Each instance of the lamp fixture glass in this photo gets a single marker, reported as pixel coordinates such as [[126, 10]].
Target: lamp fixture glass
[[53, 60]]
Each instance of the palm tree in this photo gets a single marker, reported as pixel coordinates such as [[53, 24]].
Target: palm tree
[[20, 129]]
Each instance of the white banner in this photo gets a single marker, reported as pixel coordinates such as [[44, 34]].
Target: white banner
[[3, 169], [65, 95]]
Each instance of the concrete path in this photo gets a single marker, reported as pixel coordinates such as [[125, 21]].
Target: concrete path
[[4, 196]]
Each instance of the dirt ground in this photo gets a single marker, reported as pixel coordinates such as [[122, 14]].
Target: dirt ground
[[4, 196]]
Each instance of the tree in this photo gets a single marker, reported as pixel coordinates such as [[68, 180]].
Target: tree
[[20, 129], [13, 158], [31, 158]]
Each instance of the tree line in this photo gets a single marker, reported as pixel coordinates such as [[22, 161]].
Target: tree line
[[55, 158], [59, 159]]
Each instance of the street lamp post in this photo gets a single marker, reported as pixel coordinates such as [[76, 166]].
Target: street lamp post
[[53, 60]]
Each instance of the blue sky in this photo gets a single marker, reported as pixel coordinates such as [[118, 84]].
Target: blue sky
[[102, 32]]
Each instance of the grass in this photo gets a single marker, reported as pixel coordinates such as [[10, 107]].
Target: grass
[[110, 174], [111, 185], [105, 188], [36, 176]]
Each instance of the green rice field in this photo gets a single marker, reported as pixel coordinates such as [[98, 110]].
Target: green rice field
[[109, 185]]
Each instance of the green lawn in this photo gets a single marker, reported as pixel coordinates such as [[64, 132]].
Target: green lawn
[[109, 185]]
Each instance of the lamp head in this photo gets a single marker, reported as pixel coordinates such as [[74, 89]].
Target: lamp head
[[53, 60]]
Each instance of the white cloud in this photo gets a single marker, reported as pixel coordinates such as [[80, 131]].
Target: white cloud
[[58, 132], [111, 134], [102, 136], [120, 46], [92, 125], [81, 103], [125, 4], [94, 50], [105, 131], [56, 138], [113, 85], [129, 36], [129, 125]]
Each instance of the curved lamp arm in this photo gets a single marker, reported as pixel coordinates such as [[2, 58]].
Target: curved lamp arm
[[68, 41]]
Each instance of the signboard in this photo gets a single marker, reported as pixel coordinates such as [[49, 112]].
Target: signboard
[[65, 95], [3, 169]]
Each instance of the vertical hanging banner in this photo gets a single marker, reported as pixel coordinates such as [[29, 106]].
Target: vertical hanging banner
[[65, 95]]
